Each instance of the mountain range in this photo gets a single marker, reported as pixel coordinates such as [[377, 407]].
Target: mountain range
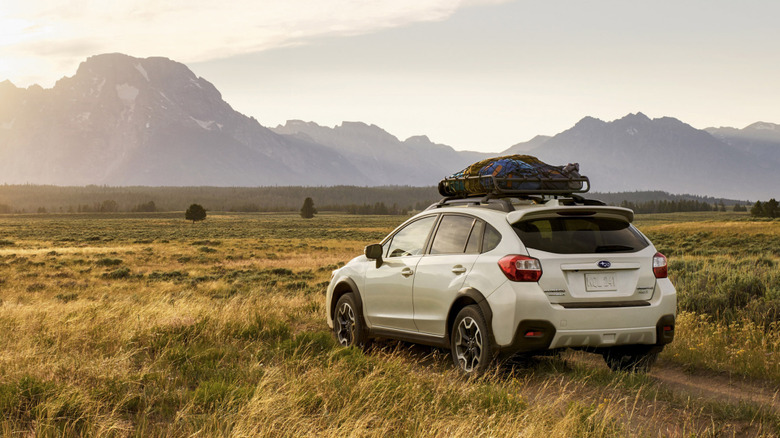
[[123, 121]]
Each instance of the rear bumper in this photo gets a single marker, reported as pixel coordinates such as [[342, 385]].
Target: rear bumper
[[515, 325], [604, 337]]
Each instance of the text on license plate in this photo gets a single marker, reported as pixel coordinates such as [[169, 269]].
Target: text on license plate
[[600, 281]]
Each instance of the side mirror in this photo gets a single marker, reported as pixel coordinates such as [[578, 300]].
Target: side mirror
[[374, 252]]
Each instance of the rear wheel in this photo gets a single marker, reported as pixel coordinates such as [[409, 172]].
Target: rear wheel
[[348, 327], [633, 358], [470, 341]]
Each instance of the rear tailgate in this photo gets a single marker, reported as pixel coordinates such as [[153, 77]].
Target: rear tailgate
[[590, 257], [602, 280]]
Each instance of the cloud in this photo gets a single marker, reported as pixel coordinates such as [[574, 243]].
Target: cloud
[[47, 39]]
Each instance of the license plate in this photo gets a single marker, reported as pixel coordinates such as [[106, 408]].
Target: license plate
[[599, 282]]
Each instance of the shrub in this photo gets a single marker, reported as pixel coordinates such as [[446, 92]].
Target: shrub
[[117, 274]]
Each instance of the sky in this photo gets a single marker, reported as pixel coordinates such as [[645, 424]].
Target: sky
[[473, 74]]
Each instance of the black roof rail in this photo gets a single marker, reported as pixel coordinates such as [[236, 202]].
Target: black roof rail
[[503, 201], [503, 204]]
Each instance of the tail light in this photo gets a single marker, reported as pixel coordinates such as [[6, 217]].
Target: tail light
[[659, 265], [521, 268]]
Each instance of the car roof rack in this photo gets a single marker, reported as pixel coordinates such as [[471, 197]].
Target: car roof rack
[[492, 192], [465, 185]]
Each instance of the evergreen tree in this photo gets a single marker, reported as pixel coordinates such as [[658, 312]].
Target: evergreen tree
[[771, 208], [308, 211], [195, 213], [757, 210]]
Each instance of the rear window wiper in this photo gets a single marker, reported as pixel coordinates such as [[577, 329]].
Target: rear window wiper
[[614, 248]]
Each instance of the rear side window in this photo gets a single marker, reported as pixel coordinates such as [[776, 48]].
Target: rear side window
[[491, 240], [483, 238], [452, 234], [580, 235]]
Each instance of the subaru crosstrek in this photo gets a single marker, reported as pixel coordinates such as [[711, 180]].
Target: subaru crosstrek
[[496, 277]]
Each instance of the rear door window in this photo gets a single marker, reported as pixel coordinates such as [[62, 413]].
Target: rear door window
[[452, 234], [475, 238], [580, 235]]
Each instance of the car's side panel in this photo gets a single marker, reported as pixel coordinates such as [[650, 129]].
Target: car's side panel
[[436, 283], [387, 295]]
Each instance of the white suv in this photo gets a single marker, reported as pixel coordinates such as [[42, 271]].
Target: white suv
[[488, 277]]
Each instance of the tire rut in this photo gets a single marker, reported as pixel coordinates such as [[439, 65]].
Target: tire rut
[[717, 386]]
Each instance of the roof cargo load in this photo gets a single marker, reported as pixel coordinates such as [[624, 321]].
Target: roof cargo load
[[514, 175]]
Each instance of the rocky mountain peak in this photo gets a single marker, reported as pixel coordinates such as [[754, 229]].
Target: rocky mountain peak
[[763, 126], [635, 117], [7, 85], [589, 122], [418, 139]]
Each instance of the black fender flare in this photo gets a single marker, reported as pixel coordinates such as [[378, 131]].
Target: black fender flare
[[339, 291], [465, 297]]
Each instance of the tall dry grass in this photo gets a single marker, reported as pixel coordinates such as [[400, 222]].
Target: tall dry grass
[[133, 327]]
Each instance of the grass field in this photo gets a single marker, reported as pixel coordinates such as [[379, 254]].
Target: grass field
[[148, 325]]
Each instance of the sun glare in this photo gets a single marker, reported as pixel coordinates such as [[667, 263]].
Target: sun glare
[[12, 30]]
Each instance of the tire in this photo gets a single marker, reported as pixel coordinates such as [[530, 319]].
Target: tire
[[348, 326], [470, 342], [634, 358]]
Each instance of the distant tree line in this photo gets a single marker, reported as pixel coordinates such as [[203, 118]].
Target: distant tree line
[[106, 206], [55, 199], [146, 207], [671, 206], [765, 209], [347, 199], [377, 208], [642, 197]]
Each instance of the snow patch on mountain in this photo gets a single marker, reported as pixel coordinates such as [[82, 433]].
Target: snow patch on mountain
[[141, 70], [127, 93], [204, 125], [98, 88]]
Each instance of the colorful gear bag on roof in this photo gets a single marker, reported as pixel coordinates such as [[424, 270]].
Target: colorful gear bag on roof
[[515, 173]]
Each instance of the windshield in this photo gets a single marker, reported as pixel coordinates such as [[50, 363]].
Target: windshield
[[580, 235]]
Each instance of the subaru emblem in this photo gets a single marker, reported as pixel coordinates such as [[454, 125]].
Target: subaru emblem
[[604, 264]]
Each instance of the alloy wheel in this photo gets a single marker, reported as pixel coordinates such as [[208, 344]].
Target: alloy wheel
[[468, 344], [345, 320]]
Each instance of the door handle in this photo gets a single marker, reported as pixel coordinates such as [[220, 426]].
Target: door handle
[[407, 272], [458, 269]]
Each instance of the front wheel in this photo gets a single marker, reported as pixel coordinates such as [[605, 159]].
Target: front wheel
[[348, 327], [470, 341]]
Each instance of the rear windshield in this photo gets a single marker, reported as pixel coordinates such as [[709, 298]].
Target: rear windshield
[[580, 235]]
